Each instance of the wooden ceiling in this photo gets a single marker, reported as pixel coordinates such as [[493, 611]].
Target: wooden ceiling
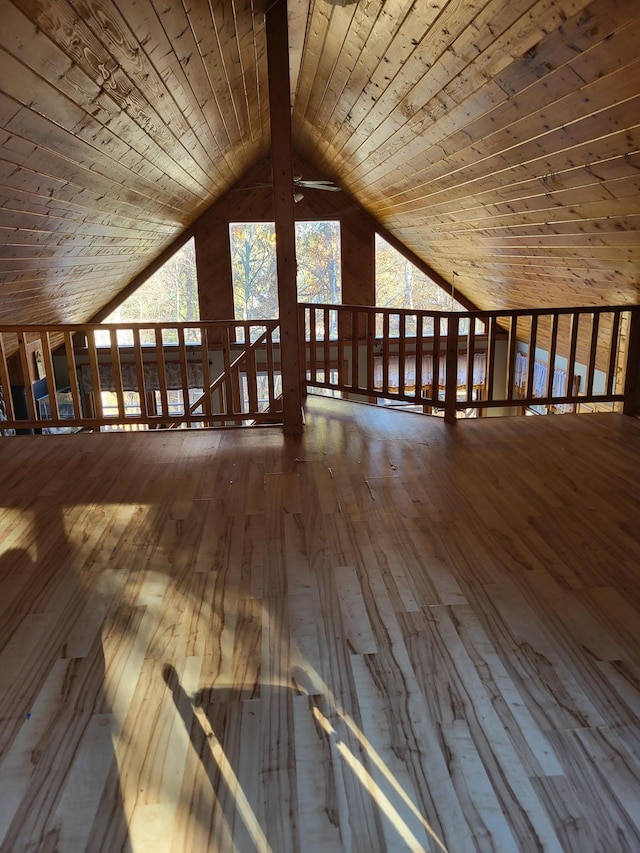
[[498, 139], [121, 121]]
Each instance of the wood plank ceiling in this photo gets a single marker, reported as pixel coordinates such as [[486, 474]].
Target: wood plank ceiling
[[122, 121], [498, 139]]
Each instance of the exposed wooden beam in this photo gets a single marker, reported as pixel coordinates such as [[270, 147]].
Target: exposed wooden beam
[[298, 14], [283, 208]]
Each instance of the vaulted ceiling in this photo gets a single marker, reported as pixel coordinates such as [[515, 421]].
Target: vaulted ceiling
[[498, 139]]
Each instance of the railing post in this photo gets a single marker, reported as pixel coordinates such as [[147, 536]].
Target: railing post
[[631, 404], [451, 378], [302, 337]]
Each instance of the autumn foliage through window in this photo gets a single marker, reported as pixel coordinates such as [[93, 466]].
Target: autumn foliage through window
[[253, 263]]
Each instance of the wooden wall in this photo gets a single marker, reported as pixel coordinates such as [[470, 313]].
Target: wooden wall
[[251, 201]]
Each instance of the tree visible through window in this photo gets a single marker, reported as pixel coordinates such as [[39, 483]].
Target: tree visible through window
[[170, 295], [400, 284], [318, 253], [253, 264]]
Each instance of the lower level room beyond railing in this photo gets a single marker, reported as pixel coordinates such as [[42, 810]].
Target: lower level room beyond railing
[[228, 373]]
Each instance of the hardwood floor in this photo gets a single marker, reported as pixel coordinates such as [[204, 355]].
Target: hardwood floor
[[386, 635]]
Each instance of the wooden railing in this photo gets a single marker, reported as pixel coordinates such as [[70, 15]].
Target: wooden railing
[[228, 373], [140, 375], [453, 361]]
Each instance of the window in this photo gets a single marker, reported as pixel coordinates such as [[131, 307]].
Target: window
[[170, 295], [400, 284], [318, 254], [253, 264]]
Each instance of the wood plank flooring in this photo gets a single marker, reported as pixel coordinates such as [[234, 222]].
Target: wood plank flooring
[[386, 635]]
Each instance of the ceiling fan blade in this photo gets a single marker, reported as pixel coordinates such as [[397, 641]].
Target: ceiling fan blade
[[310, 182], [318, 185], [297, 182]]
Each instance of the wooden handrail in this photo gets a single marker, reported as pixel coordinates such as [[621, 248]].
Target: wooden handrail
[[586, 343], [494, 312], [441, 361], [141, 378], [223, 376]]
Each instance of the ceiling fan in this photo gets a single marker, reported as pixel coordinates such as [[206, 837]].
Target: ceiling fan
[[315, 185], [299, 184]]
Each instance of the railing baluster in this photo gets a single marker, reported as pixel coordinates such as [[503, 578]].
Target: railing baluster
[[511, 362], [23, 348], [471, 351], [491, 357], [252, 381], [5, 382], [240, 405], [72, 372], [573, 347], [229, 408], [95, 374], [117, 372], [612, 370], [593, 349], [451, 374], [355, 349], [184, 371], [162, 374], [341, 367], [371, 345], [435, 388], [419, 356], [313, 344], [385, 352], [303, 343], [533, 337], [137, 354], [50, 375], [327, 345], [270, 368], [206, 373], [553, 345], [402, 351]]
